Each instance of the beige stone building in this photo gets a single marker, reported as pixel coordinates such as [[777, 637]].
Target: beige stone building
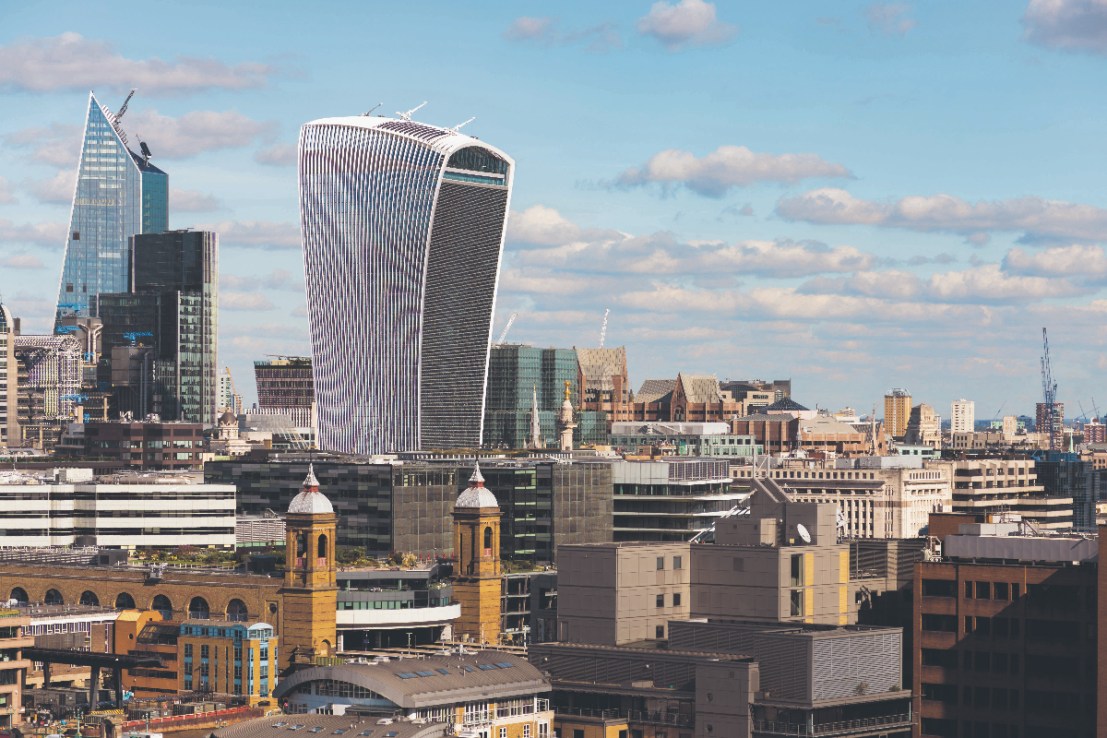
[[997, 487], [782, 562], [924, 427], [874, 502], [617, 593], [897, 409]]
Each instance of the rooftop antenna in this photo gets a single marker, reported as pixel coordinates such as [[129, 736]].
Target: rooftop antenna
[[461, 125], [370, 111], [145, 152], [407, 116]]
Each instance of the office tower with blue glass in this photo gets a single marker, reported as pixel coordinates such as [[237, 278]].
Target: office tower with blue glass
[[119, 194], [403, 227]]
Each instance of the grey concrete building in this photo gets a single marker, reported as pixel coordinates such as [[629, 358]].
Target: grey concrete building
[[618, 593], [671, 500]]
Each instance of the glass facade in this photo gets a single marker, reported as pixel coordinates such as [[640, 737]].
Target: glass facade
[[402, 231], [118, 195], [173, 310]]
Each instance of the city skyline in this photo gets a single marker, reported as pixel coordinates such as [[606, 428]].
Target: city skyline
[[897, 195]]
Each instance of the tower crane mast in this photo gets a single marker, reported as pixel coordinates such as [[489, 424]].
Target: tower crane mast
[[1049, 393]]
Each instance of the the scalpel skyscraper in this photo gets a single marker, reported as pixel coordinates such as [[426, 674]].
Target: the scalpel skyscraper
[[119, 194], [403, 227]]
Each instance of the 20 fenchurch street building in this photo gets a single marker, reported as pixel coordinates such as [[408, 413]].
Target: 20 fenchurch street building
[[403, 227]]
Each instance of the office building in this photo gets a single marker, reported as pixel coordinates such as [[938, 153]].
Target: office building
[[400, 318], [405, 506], [285, 387], [73, 507], [671, 500], [229, 400], [520, 377], [119, 194], [49, 387], [1050, 425], [228, 658], [962, 416], [171, 307], [877, 496], [792, 566], [13, 667], [620, 593], [605, 383], [146, 445], [897, 411], [1002, 487], [924, 427], [9, 382], [391, 607], [1005, 633]]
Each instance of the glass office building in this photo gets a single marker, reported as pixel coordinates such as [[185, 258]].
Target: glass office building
[[173, 310], [402, 227], [118, 194], [517, 374]]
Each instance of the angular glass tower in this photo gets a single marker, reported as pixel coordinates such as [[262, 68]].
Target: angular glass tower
[[403, 227], [118, 194]]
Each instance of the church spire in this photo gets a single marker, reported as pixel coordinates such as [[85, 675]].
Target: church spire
[[535, 420]]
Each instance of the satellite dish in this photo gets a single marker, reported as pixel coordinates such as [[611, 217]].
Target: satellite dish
[[801, 529]]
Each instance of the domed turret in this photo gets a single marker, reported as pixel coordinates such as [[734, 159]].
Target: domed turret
[[311, 501], [476, 494]]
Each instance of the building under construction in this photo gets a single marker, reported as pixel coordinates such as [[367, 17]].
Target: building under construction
[[50, 369]]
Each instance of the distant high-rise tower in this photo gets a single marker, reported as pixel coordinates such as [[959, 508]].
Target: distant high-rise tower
[[172, 306], [9, 381], [402, 227], [897, 411], [962, 417], [119, 194]]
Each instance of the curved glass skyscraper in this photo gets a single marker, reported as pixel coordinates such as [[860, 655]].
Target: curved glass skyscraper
[[119, 194], [403, 226]]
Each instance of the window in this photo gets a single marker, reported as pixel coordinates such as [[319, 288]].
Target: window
[[796, 608], [797, 570], [660, 563], [678, 562], [526, 730], [661, 600], [503, 732], [676, 599], [578, 733], [659, 631]]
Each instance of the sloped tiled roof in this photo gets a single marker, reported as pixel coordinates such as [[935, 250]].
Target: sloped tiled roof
[[786, 404], [700, 388], [653, 390], [599, 365]]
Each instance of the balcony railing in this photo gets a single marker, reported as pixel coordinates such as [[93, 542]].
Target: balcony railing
[[632, 716], [840, 727]]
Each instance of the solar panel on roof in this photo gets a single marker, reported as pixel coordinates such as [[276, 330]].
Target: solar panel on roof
[[504, 665], [466, 667], [407, 675], [425, 673], [486, 667], [443, 671]]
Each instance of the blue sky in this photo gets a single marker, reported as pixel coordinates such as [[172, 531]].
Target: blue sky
[[855, 195]]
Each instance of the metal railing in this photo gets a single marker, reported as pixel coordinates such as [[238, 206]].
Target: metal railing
[[772, 727], [632, 716]]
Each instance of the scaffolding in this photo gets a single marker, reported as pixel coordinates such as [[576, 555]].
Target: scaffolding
[[51, 375]]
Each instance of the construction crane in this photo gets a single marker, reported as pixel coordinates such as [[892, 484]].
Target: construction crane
[[407, 114], [507, 327], [603, 327], [1049, 393]]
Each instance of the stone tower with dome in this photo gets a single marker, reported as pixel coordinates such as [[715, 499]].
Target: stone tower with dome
[[477, 583], [310, 592]]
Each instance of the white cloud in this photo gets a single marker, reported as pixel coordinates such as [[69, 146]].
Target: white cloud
[[21, 260], [57, 189], [72, 62], [529, 29], [277, 155], [277, 279], [34, 234], [727, 167], [192, 201], [196, 132], [685, 23], [255, 234], [1077, 260], [890, 19], [1071, 25], [540, 225], [232, 300], [56, 144], [988, 282], [544, 30], [1038, 218]]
